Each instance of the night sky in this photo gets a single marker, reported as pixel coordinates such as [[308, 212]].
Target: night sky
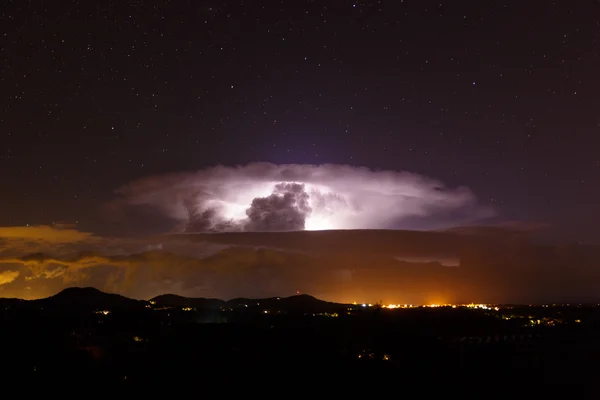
[[501, 97]]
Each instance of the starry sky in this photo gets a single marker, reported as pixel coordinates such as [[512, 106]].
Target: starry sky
[[501, 97]]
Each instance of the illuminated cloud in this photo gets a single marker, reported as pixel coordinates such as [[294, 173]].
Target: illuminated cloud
[[362, 265], [269, 197], [234, 272], [8, 276], [209, 265], [44, 234]]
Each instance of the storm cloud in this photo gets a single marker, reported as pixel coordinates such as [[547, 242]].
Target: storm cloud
[[268, 197], [284, 210]]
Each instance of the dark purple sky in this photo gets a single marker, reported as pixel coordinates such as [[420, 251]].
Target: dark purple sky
[[501, 97]]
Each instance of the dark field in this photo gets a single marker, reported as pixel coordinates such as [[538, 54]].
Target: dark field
[[73, 343]]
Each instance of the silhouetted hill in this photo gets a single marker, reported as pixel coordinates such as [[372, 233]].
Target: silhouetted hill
[[173, 300], [11, 302], [89, 298], [299, 303]]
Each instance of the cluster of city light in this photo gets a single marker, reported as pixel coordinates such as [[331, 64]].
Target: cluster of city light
[[395, 306], [482, 307], [369, 355]]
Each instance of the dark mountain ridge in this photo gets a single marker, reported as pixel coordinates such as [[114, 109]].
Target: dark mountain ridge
[[297, 303], [173, 300], [89, 298], [79, 298]]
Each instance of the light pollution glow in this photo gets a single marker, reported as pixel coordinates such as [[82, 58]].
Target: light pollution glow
[[373, 266]]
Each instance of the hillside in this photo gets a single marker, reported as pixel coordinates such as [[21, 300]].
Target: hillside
[[298, 303], [173, 300], [89, 298]]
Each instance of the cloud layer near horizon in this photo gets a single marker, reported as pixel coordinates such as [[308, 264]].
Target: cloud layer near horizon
[[269, 197], [497, 265]]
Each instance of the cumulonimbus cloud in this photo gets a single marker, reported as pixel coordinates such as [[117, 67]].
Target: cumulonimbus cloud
[[269, 197]]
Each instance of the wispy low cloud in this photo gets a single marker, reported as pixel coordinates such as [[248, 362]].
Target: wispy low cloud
[[43, 234], [8, 276], [18, 240], [368, 265], [232, 272], [147, 267], [269, 197]]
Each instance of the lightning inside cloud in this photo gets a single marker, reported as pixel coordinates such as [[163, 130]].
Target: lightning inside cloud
[[268, 197]]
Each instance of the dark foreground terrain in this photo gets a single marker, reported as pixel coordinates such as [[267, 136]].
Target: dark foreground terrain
[[88, 342]]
